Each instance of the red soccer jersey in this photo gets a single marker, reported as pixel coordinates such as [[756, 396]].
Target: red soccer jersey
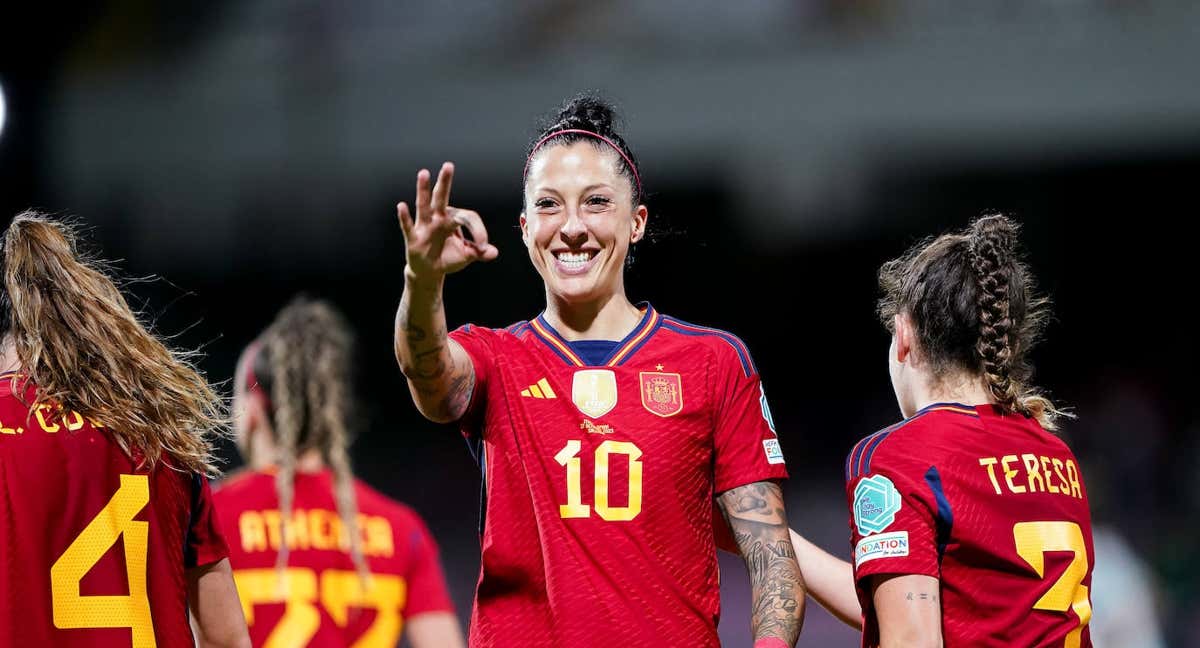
[[599, 481], [324, 603], [93, 549], [993, 506]]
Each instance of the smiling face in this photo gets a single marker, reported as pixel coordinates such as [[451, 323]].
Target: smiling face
[[580, 220]]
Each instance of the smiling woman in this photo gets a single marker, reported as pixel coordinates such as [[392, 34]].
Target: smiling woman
[[605, 430]]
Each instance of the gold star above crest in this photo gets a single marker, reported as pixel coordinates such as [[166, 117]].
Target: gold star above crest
[[658, 366]]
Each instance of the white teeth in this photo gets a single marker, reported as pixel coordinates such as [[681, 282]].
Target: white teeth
[[573, 259]]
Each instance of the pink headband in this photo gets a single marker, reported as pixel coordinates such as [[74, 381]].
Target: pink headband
[[589, 134]]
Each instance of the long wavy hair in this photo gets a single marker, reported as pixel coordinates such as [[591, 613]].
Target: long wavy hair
[[84, 350]]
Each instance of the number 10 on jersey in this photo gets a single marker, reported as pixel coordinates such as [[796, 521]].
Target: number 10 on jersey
[[575, 508]]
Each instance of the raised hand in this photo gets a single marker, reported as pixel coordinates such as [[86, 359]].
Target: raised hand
[[434, 242]]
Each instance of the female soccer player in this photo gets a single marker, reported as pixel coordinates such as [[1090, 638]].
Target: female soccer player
[[357, 567], [604, 429], [107, 536], [969, 521]]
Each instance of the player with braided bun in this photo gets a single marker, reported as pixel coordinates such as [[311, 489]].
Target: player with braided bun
[[969, 521], [605, 430], [305, 534], [107, 531]]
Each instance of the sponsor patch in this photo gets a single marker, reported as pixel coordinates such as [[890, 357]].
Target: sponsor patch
[[881, 545], [876, 502], [774, 452]]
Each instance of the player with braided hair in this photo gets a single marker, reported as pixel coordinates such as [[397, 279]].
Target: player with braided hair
[[605, 430], [969, 521], [320, 559]]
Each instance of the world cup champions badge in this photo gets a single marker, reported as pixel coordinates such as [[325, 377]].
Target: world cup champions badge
[[662, 393]]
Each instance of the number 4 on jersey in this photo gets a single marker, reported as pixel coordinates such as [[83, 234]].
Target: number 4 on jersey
[[114, 521]]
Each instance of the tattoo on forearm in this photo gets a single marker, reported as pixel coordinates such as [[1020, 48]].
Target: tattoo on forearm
[[425, 358], [756, 516]]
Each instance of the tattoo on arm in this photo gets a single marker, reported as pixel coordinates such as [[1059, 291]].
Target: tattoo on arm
[[441, 386], [756, 516]]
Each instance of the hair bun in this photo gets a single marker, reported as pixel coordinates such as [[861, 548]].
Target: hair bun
[[588, 112]]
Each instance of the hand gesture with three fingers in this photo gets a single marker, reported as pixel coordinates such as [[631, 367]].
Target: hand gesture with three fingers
[[434, 242]]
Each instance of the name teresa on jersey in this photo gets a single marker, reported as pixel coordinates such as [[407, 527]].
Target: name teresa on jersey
[[314, 529], [1040, 474]]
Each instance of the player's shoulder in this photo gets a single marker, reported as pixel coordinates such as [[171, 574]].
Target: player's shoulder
[[10, 400], [373, 502], [722, 344], [237, 485], [913, 442], [515, 331]]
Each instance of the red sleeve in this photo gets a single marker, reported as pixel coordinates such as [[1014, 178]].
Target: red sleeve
[[205, 542], [477, 342], [745, 447], [893, 515], [426, 582]]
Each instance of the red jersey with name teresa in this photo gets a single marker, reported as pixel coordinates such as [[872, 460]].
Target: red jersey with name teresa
[[993, 506], [599, 481], [93, 548], [324, 603]]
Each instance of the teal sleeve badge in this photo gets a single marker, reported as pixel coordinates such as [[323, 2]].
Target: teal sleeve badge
[[876, 502]]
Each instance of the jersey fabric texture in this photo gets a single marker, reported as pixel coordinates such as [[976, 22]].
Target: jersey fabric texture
[[94, 547], [990, 504], [599, 480], [324, 602]]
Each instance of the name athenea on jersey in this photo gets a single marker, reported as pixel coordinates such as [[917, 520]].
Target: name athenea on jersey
[[314, 529], [1034, 474]]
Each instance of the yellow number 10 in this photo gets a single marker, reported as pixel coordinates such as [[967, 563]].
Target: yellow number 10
[[575, 508], [1034, 539], [114, 521]]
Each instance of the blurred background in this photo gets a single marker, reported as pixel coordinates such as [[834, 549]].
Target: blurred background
[[245, 151]]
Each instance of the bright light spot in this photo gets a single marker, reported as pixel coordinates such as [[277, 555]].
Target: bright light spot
[[1, 109]]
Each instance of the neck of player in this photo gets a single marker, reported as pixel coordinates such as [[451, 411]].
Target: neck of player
[[8, 355], [266, 456], [610, 318], [956, 387]]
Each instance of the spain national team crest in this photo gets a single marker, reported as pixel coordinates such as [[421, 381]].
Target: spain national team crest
[[662, 393], [594, 391]]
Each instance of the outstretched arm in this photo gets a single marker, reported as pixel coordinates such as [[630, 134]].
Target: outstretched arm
[[830, 581], [440, 374], [756, 516]]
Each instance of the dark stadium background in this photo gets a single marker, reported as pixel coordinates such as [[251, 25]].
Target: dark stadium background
[[245, 152]]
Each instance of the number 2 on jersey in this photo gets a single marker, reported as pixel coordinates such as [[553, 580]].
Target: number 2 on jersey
[[575, 508], [114, 521], [1033, 540]]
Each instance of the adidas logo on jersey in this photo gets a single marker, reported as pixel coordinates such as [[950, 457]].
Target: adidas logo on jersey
[[541, 389]]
